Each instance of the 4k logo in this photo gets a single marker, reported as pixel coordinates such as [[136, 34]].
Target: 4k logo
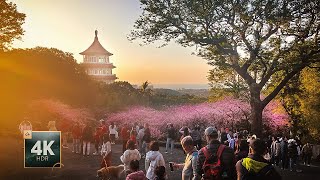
[[43, 149]]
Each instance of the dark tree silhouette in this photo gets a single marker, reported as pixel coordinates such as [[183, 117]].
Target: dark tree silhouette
[[10, 24]]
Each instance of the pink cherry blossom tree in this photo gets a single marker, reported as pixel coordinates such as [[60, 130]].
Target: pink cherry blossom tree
[[228, 112]]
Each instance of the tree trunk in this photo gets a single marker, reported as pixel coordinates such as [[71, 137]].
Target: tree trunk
[[256, 111]]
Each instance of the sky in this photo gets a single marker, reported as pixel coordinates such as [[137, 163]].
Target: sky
[[69, 25]]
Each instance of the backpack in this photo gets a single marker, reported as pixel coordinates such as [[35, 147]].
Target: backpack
[[264, 173], [212, 170]]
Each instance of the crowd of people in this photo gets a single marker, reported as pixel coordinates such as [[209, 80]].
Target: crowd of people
[[210, 154]]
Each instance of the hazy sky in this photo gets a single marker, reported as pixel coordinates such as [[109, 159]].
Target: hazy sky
[[69, 26]]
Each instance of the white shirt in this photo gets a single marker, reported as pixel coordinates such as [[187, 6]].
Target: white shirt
[[153, 159], [112, 130], [128, 156], [106, 148]]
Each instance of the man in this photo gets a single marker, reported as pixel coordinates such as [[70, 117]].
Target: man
[[146, 139], [125, 134], [210, 155], [307, 153], [190, 163], [87, 136], [255, 166], [139, 138], [275, 151], [284, 153], [171, 135], [76, 134]]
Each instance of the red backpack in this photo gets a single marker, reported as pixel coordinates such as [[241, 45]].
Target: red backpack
[[212, 171]]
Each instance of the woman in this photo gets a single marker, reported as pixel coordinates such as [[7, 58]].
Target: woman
[[112, 133], [135, 173], [133, 135], [154, 159], [185, 131], [129, 155]]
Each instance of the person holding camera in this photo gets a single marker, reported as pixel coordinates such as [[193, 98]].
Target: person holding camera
[[190, 163]]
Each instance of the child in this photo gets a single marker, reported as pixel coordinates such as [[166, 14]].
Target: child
[[106, 152], [136, 174]]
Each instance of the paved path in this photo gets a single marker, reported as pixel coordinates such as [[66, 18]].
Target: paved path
[[78, 167]]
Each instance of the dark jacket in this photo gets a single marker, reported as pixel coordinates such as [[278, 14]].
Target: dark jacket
[[284, 148], [227, 159], [171, 133], [292, 150], [87, 134], [147, 135], [253, 165]]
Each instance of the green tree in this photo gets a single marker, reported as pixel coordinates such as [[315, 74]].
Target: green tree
[[227, 80], [10, 24], [256, 39], [301, 99], [119, 95]]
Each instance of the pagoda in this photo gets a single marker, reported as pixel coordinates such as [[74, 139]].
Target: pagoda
[[96, 62]]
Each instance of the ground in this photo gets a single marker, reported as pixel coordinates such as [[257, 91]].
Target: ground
[[78, 167]]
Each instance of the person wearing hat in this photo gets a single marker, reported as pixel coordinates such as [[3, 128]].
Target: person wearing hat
[[210, 155]]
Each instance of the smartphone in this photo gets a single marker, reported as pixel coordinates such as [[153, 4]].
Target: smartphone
[[171, 166]]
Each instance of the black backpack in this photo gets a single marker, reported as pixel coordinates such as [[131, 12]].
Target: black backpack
[[264, 173]]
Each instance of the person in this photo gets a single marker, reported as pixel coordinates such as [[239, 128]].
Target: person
[[250, 138], [153, 160], [284, 153], [171, 135], [87, 137], [255, 166], [243, 150], [160, 173], [135, 173], [292, 153], [113, 133], [96, 138], [238, 142], [139, 138], [275, 151], [185, 131], [215, 154], [64, 127], [231, 141], [76, 133], [223, 136], [133, 135], [307, 153], [196, 136], [125, 135], [106, 152], [136, 127], [146, 139], [190, 163], [130, 154]]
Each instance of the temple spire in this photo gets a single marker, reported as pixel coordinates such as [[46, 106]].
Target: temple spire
[[96, 33]]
